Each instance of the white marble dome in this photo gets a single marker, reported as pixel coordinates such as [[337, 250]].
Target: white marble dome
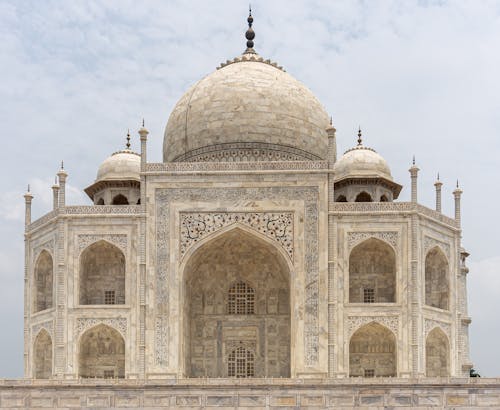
[[122, 165], [361, 162], [247, 102]]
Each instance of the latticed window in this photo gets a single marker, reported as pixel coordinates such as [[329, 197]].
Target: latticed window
[[241, 299], [241, 363], [369, 373], [109, 297], [369, 295]]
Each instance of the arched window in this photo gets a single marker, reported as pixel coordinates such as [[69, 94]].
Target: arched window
[[372, 273], [139, 201], [436, 279], [383, 198], [363, 197], [100, 201], [44, 277], [240, 363], [241, 299], [102, 353], [341, 198], [120, 200], [42, 355], [436, 354], [102, 275], [372, 352]]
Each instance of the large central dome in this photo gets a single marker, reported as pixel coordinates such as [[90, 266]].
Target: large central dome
[[247, 110]]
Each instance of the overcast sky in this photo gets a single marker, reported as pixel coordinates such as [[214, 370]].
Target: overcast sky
[[421, 78]]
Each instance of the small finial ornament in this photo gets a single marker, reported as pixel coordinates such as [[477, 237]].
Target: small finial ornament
[[28, 187], [250, 34], [457, 183], [143, 122], [62, 164], [331, 120], [360, 140], [128, 139], [438, 176], [413, 161]]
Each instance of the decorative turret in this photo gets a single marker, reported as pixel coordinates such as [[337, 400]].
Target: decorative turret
[[332, 144], [143, 133], [414, 175], [55, 195], [28, 197], [438, 184], [457, 193], [62, 175]]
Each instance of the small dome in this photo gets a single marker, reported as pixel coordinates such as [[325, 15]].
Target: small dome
[[361, 162], [248, 100], [121, 166]]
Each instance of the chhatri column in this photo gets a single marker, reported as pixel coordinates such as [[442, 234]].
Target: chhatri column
[[438, 184], [414, 174]]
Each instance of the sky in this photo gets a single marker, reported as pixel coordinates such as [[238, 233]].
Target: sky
[[420, 78]]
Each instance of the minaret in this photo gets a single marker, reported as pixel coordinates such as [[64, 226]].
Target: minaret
[[457, 193], [414, 174], [438, 184], [332, 144], [55, 195], [143, 133], [28, 197], [62, 175]]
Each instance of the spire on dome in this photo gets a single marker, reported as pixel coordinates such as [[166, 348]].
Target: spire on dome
[[250, 34], [360, 140], [127, 145]]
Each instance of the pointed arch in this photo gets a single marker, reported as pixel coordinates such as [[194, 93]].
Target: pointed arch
[[363, 197], [372, 272], [437, 354], [341, 198], [102, 275], [384, 198], [437, 279], [101, 353], [43, 282], [372, 352], [223, 262], [119, 200], [42, 355]]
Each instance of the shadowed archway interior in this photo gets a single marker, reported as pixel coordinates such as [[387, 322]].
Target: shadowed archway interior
[[237, 309]]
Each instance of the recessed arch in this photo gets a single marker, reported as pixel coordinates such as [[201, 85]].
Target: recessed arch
[[101, 353], [437, 279], [341, 198], [42, 355], [102, 275], [372, 352], [363, 197], [43, 282], [231, 257], [120, 200], [437, 354], [100, 201], [384, 198], [372, 272]]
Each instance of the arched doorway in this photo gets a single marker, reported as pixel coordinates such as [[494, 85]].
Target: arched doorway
[[437, 354], [237, 308], [42, 355], [44, 277], [372, 273], [101, 353], [372, 352], [102, 275], [436, 279]]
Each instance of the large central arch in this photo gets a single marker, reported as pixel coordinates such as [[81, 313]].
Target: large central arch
[[236, 308]]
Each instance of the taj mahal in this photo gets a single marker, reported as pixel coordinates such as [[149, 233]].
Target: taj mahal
[[254, 255]]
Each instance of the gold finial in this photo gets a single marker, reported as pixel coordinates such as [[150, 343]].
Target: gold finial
[[128, 139], [360, 140]]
